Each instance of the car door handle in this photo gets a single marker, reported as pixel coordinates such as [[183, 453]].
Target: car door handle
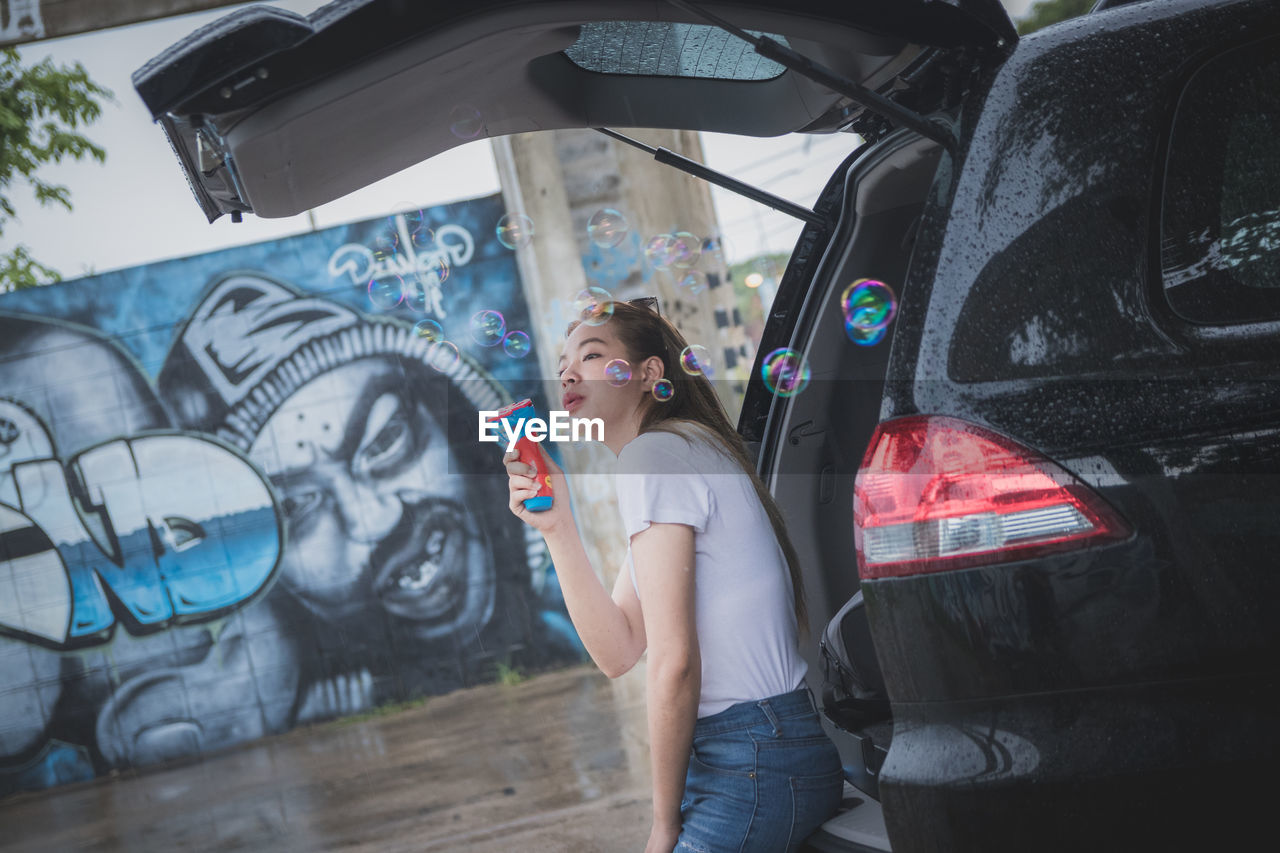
[[804, 430]]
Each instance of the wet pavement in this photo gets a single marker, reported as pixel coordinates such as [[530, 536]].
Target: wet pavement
[[558, 762]]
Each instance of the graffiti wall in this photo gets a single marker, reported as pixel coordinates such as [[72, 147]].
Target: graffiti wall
[[243, 491]]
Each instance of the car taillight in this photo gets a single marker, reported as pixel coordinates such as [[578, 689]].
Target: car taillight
[[937, 493]]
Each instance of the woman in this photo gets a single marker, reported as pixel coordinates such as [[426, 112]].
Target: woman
[[713, 592]]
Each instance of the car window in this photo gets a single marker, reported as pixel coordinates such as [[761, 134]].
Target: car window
[[663, 49], [1220, 229], [1044, 307]]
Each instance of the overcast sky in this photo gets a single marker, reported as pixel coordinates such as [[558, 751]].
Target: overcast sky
[[137, 208]]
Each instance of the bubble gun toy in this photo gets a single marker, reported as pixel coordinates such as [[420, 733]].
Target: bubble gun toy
[[514, 416]]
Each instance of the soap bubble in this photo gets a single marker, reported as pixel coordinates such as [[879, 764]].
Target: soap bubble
[[384, 244], [865, 337], [429, 330], [594, 306], [663, 390], [416, 296], [693, 281], [658, 251], [514, 230], [386, 293], [618, 372], [488, 328], [516, 344], [679, 250], [420, 232], [416, 224], [436, 271], [785, 372], [443, 356], [868, 305], [684, 250], [607, 228], [696, 360], [422, 289], [466, 122]]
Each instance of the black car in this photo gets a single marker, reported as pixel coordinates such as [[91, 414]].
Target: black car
[[1045, 511]]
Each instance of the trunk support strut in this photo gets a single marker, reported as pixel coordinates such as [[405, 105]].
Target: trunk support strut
[[698, 170]]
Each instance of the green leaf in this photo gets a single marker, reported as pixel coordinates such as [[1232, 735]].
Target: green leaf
[[42, 106], [18, 271]]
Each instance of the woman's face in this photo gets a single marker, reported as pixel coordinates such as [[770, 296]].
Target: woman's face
[[376, 510], [589, 388]]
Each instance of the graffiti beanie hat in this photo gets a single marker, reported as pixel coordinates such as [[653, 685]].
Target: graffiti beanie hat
[[252, 342]]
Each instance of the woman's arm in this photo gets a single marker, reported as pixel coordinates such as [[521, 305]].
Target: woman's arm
[[664, 557], [603, 623], [610, 631]]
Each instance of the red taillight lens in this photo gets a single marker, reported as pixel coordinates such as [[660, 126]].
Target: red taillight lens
[[938, 493]]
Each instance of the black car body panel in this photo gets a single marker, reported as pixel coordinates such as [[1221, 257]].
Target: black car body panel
[[1121, 697]]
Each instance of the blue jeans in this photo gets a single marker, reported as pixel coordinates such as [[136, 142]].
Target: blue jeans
[[762, 776]]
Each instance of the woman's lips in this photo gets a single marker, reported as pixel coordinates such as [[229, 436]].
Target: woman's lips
[[572, 401]]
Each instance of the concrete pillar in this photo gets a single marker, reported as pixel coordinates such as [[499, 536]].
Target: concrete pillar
[[560, 180]]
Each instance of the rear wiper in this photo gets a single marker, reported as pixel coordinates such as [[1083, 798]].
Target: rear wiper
[[833, 80], [698, 170]]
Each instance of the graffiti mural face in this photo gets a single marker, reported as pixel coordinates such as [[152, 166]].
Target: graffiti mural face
[[235, 496], [376, 516]]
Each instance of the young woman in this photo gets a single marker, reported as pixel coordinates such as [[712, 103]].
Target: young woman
[[711, 589]]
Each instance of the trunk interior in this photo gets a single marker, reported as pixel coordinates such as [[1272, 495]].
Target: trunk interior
[[825, 430]]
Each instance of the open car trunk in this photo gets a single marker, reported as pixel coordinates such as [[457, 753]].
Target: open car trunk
[[274, 113]]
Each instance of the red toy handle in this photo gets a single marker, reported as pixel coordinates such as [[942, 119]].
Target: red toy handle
[[528, 452]]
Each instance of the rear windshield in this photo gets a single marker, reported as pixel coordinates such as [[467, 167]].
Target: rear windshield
[[1220, 234], [660, 49]]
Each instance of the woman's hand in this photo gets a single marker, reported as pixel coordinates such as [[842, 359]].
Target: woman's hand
[[522, 485], [662, 839]]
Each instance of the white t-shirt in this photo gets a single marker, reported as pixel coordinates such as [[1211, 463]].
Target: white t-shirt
[[744, 602]]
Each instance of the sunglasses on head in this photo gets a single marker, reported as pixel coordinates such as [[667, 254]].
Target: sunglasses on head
[[650, 302]]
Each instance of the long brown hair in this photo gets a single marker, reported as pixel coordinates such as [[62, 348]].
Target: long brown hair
[[646, 333]]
